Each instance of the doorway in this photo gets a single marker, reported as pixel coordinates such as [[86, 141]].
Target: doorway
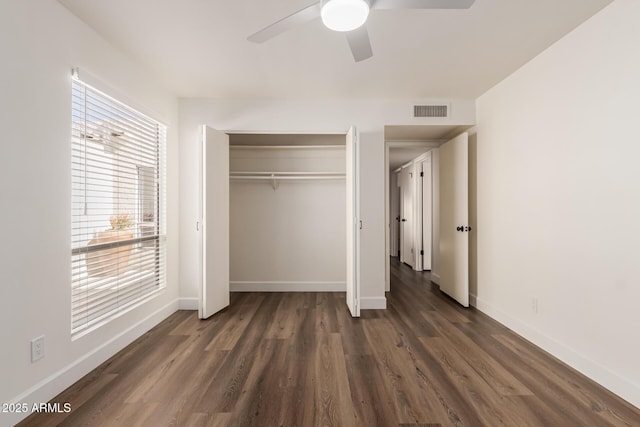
[[404, 203], [403, 143]]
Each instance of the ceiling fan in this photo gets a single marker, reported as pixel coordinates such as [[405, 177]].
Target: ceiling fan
[[349, 16]]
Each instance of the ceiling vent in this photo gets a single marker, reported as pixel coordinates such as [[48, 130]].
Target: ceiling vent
[[430, 111]]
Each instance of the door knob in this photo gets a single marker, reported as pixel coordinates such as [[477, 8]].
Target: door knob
[[467, 229], [404, 220], [459, 228]]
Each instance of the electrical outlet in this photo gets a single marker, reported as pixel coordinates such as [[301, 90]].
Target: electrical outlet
[[37, 348], [534, 304]]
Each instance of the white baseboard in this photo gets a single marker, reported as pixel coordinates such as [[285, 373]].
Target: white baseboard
[[287, 286], [373, 303], [473, 300], [188, 303], [601, 374], [435, 278], [51, 386]]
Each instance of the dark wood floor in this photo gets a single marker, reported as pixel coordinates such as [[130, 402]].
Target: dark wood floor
[[299, 359]]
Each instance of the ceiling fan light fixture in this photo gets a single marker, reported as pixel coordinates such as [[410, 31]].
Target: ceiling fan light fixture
[[344, 15]]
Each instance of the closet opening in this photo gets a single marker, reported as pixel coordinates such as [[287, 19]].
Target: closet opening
[[287, 204]]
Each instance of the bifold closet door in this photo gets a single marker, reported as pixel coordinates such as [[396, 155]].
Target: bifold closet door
[[214, 222], [454, 218], [353, 224]]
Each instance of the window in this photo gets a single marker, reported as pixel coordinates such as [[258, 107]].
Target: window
[[117, 214]]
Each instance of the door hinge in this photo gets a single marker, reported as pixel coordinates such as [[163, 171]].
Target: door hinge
[[421, 174], [421, 252]]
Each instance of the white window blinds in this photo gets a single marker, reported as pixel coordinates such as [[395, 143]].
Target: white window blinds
[[117, 197]]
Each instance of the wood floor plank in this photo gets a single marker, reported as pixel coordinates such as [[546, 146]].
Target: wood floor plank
[[491, 407], [207, 420], [234, 327], [224, 389], [581, 394], [300, 359], [536, 411], [132, 414], [326, 318], [177, 401], [486, 367], [413, 317], [332, 391], [413, 402], [354, 340], [255, 405], [297, 406], [285, 317], [372, 405], [433, 376]]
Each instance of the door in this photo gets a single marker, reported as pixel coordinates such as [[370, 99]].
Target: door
[[454, 219], [408, 238], [353, 224], [398, 210], [427, 214], [214, 222]]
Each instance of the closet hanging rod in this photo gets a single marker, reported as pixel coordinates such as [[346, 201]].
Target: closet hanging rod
[[275, 178], [286, 147], [284, 178], [283, 174]]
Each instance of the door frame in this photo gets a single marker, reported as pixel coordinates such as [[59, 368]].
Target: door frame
[[427, 206], [390, 144], [200, 220]]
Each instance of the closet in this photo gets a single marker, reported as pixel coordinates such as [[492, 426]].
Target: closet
[[278, 213], [287, 212]]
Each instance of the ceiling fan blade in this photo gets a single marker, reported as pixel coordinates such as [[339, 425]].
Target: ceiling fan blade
[[359, 43], [302, 16], [421, 4]]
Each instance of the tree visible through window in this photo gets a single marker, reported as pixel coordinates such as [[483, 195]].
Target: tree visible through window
[[117, 232]]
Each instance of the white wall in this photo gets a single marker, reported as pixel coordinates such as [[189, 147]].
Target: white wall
[[291, 237], [558, 193], [305, 116], [41, 41]]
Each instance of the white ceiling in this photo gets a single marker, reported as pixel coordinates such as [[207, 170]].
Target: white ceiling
[[422, 132], [400, 154], [198, 48]]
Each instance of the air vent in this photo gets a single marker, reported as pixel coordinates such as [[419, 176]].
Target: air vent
[[430, 111]]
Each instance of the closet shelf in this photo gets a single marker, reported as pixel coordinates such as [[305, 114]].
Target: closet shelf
[[274, 177]]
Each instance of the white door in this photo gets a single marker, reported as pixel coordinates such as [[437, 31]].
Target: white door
[[396, 219], [214, 224], [427, 214], [454, 219], [353, 225], [408, 237]]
